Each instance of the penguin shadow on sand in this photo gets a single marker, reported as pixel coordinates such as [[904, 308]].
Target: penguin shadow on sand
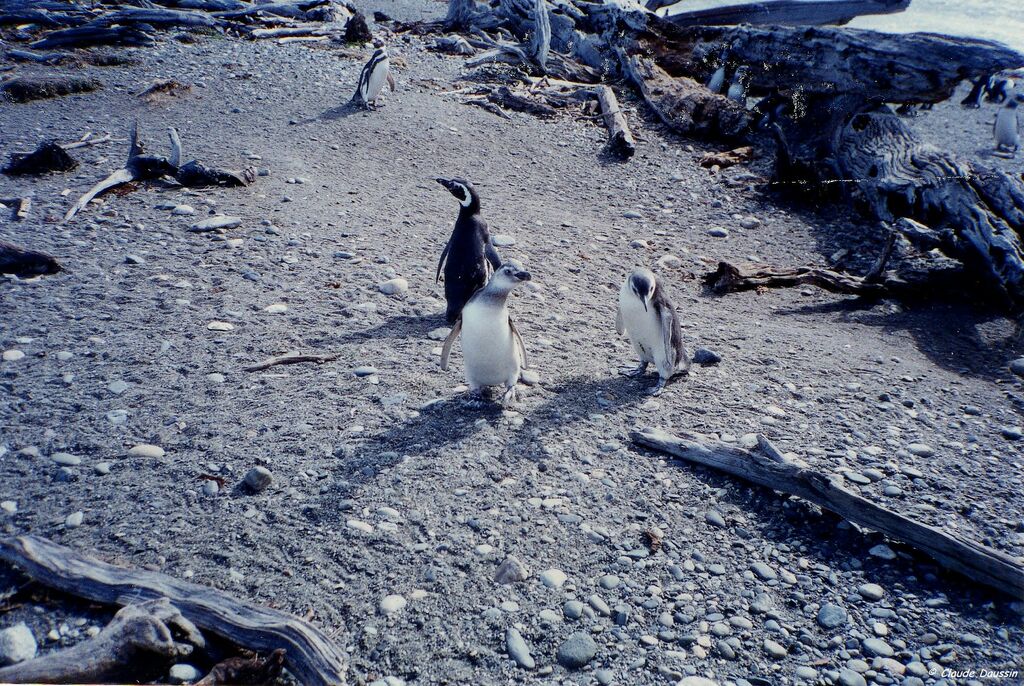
[[402, 326], [577, 397]]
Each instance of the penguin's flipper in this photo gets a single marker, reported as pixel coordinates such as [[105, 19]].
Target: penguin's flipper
[[667, 319], [391, 82], [620, 327], [492, 254], [446, 349], [440, 262], [520, 346]]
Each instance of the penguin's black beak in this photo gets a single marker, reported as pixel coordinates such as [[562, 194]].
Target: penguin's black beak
[[444, 182], [523, 276], [644, 301]]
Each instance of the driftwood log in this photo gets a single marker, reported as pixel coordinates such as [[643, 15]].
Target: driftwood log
[[770, 469], [776, 12], [49, 156], [310, 655], [137, 645], [290, 359], [620, 138], [144, 167], [25, 263]]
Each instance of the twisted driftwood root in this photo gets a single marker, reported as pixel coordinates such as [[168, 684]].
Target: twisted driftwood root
[[24, 89], [252, 671], [771, 469], [310, 655], [137, 645]]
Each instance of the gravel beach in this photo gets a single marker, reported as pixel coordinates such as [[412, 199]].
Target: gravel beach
[[388, 509]]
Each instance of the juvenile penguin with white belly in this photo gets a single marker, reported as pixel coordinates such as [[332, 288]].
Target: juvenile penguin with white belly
[[647, 316], [376, 72], [1005, 130], [738, 87], [468, 258], [492, 348]]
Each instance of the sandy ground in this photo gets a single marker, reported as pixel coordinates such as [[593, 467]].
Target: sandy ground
[[390, 484]]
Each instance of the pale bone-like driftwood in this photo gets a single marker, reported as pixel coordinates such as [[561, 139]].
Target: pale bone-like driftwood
[[137, 645], [290, 359], [620, 139], [311, 656], [777, 12], [977, 562]]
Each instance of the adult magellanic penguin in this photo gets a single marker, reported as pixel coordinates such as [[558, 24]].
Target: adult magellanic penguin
[[492, 348], [375, 73], [468, 258], [648, 317]]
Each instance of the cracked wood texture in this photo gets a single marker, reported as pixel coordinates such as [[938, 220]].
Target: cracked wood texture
[[311, 656], [972, 559]]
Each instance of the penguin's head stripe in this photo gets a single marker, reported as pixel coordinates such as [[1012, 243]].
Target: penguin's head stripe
[[460, 188]]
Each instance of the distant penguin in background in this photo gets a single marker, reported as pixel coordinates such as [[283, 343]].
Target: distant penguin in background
[[492, 347], [717, 80], [376, 72], [1005, 129], [468, 258], [738, 87], [999, 89], [648, 317]]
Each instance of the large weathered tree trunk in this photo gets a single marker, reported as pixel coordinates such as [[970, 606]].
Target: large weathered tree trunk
[[777, 12]]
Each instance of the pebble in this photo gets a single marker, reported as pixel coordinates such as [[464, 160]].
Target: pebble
[[133, 259], [553, 578], [74, 520], [392, 604], [877, 647], [216, 223], [1017, 366], [183, 210], [66, 460], [359, 526], [669, 262], [632, 214], [831, 616], [1012, 433], [609, 582], [364, 371], [750, 222], [718, 232], [13, 355], [146, 450], [774, 650], [529, 377], [576, 651], [763, 571], [883, 551], [518, 650], [502, 241], [439, 334], [696, 681], [705, 357], [220, 326], [921, 449], [117, 387], [276, 308], [573, 609], [713, 517], [183, 673], [848, 677], [511, 570], [871, 591], [9, 507], [17, 644], [210, 488], [258, 479], [395, 286]]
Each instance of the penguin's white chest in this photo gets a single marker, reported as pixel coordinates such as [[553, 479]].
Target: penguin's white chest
[[736, 92], [375, 81], [488, 346], [643, 328], [1006, 128]]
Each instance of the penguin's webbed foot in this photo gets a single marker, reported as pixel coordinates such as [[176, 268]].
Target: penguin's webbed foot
[[510, 397], [659, 387], [475, 399], [635, 372]]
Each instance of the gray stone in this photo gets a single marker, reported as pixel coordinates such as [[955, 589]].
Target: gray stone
[[718, 232], [1017, 366], [74, 520], [831, 616], [883, 551], [763, 571], [364, 371], [705, 357], [609, 581], [577, 650], [66, 459], [511, 570], [696, 681], [183, 673], [877, 647], [216, 223], [518, 650], [774, 650], [394, 286], [871, 591], [553, 578], [258, 479], [604, 676], [848, 677], [17, 644], [921, 449], [573, 609]]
